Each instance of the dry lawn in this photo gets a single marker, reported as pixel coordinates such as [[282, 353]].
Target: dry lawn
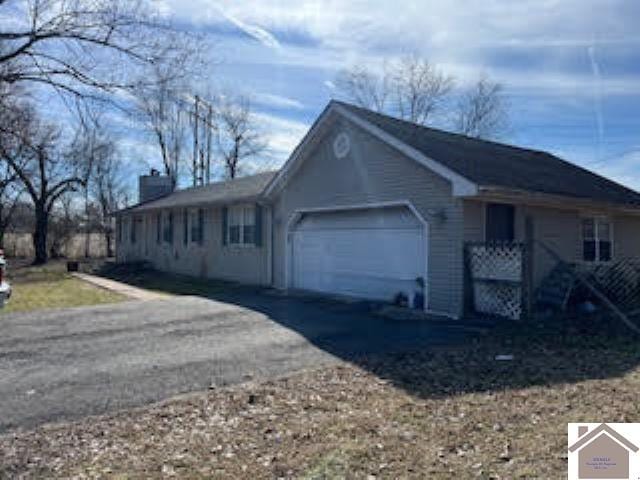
[[441, 414], [50, 286]]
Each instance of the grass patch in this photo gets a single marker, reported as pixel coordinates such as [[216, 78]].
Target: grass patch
[[59, 293], [50, 286], [446, 413]]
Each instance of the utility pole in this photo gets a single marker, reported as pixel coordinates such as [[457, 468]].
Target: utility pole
[[202, 140], [196, 120], [210, 127]]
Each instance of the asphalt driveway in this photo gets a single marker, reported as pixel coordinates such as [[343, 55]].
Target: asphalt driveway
[[75, 362]]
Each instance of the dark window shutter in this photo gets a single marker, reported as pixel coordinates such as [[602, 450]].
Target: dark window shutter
[[158, 227], [185, 226], [258, 227], [225, 219], [200, 225], [171, 228]]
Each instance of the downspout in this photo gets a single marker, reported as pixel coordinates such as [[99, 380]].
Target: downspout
[[270, 250]]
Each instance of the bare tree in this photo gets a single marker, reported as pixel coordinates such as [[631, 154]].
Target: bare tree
[[481, 111], [91, 146], [63, 223], [31, 148], [411, 88], [160, 108], [109, 191], [79, 46], [238, 135], [10, 187], [365, 88], [419, 89], [10, 194]]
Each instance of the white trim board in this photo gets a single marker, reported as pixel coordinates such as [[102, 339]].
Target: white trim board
[[461, 186]]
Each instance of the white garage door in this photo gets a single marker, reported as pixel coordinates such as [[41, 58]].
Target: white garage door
[[371, 254]]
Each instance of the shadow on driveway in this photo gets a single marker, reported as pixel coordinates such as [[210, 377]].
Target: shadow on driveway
[[570, 349]]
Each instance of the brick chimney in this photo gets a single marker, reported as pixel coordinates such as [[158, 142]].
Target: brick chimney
[[153, 186]]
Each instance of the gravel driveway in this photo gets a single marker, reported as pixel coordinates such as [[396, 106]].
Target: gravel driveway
[[83, 361]]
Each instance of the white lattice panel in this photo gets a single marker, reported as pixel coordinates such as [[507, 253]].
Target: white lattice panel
[[498, 299], [497, 262], [496, 273]]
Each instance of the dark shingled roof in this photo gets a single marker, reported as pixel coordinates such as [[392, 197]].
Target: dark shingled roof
[[491, 164], [229, 191]]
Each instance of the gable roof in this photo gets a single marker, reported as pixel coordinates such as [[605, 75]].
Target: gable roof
[[492, 164], [600, 429], [229, 191]]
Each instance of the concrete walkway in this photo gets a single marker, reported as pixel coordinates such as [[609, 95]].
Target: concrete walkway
[[121, 288]]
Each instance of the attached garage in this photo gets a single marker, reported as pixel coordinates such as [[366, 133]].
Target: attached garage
[[372, 253]]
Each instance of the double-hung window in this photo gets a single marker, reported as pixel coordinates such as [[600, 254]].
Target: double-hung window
[[596, 239], [241, 225]]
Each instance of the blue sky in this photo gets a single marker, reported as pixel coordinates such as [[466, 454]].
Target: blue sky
[[570, 68]]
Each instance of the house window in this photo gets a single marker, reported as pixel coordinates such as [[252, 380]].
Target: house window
[[167, 231], [241, 225], [197, 225], [596, 239], [499, 226]]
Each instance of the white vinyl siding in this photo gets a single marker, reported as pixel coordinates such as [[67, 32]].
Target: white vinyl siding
[[373, 172]]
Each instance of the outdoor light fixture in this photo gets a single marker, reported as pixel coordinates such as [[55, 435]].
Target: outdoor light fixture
[[439, 215]]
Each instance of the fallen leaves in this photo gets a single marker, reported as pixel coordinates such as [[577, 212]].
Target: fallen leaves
[[439, 414]]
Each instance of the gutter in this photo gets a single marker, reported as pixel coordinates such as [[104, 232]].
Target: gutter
[[564, 202], [144, 208]]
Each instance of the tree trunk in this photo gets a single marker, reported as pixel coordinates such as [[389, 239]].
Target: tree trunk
[[87, 237], [2, 226], [40, 235], [109, 237]]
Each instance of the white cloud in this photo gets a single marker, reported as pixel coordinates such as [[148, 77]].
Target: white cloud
[[259, 33], [624, 169], [463, 41], [277, 101], [597, 95], [283, 135], [431, 25]]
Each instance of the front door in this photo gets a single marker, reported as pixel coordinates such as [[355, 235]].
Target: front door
[[500, 221]]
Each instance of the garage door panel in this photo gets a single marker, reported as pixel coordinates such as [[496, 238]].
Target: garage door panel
[[374, 252], [365, 261]]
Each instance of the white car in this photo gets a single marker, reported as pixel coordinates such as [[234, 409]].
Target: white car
[[5, 288]]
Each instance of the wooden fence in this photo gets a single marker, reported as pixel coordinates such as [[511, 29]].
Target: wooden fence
[[20, 245]]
